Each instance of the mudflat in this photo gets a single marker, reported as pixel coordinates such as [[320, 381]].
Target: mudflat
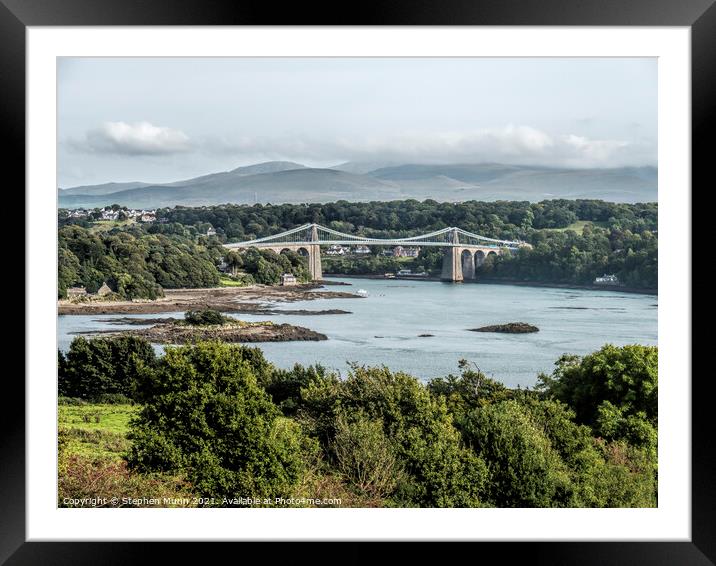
[[249, 300]]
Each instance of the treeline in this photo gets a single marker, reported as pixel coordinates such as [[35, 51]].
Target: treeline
[[133, 263], [141, 261], [234, 426], [570, 257], [501, 219], [620, 239]]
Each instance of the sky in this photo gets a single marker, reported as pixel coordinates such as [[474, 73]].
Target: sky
[[166, 119]]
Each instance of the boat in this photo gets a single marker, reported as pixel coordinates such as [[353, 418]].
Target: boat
[[362, 292]]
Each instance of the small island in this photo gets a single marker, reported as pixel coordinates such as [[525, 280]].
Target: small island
[[508, 328], [209, 324]]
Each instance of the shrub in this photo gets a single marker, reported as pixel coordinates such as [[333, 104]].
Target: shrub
[[625, 377], [102, 366], [73, 401], [112, 399], [439, 471], [206, 415], [524, 469], [365, 455], [205, 317], [470, 390], [83, 477]]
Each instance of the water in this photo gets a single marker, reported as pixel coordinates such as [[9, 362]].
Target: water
[[383, 327]]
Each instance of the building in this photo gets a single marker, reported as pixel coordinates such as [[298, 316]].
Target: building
[[361, 249], [103, 290], [76, 292], [211, 232], [405, 272], [607, 280], [400, 251], [288, 279], [336, 250]]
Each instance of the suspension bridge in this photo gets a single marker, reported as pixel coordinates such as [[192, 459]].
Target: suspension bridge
[[463, 251]]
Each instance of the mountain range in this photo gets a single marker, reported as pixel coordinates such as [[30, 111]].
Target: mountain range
[[287, 182]]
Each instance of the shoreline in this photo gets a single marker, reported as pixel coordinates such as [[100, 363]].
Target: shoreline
[[635, 290], [255, 299]]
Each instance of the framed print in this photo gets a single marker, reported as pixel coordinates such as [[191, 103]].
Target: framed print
[[391, 279]]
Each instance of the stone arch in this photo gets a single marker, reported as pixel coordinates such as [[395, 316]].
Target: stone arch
[[479, 258], [284, 250], [303, 251], [467, 262]]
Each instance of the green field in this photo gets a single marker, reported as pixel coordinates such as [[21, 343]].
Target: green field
[[228, 282], [578, 226], [106, 225], [96, 430]]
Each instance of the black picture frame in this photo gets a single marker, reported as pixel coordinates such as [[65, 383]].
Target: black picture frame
[[17, 15]]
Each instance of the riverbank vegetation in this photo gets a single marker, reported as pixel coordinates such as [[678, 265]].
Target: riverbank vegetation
[[219, 421], [573, 241], [139, 262]]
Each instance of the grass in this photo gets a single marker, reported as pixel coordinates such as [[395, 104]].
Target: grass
[[106, 225], [96, 430], [93, 440], [228, 282], [578, 226]]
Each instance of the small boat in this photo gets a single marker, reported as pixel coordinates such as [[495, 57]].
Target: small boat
[[362, 292]]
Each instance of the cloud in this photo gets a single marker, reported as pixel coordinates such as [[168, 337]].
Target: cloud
[[140, 138], [513, 144]]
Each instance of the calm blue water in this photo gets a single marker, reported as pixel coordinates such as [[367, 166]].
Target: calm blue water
[[384, 327]]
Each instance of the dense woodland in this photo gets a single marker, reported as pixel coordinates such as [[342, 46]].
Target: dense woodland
[[216, 420], [139, 260]]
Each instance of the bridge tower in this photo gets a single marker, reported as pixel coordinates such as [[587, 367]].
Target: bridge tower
[[452, 259], [314, 255]]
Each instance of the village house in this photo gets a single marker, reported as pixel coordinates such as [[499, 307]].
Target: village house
[[76, 292], [361, 249], [607, 280], [211, 232], [336, 250], [288, 279]]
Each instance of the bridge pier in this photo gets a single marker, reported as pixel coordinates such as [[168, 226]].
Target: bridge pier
[[452, 265], [314, 262]]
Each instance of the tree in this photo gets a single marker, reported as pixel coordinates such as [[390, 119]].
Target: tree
[[102, 365], [206, 415], [622, 379], [524, 469], [439, 470], [365, 455]]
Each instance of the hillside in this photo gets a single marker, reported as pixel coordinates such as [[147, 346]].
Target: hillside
[[287, 182]]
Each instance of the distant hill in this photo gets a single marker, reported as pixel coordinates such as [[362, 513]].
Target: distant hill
[[287, 182], [104, 189]]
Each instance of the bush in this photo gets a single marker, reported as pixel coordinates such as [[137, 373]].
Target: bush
[[598, 477], [102, 366], [206, 415], [365, 455], [626, 377], [524, 469], [112, 399], [470, 390], [206, 317], [439, 471], [81, 477], [72, 401]]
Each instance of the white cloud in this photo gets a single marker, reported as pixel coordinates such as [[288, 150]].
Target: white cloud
[[140, 138], [514, 144]]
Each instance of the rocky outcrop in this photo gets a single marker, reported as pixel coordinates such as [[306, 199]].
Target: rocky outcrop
[[508, 328]]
